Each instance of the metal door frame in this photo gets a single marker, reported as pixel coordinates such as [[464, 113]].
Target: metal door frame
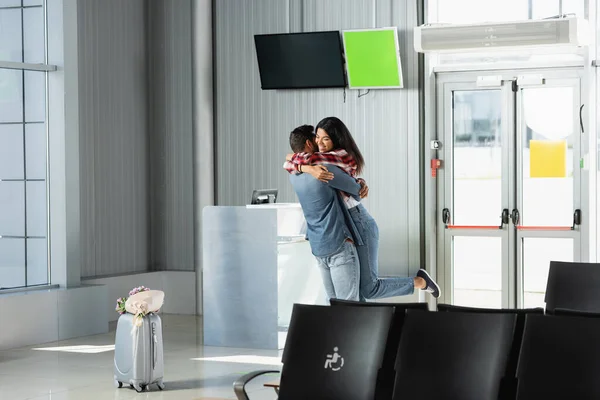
[[512, 274]]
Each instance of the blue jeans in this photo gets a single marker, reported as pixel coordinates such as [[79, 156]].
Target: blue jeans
[[340, 273], [371, 286]]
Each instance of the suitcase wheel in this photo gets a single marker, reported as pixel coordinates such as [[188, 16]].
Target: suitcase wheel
[[118, 384]]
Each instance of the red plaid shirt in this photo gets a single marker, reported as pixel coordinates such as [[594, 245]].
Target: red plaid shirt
[[339, 158]]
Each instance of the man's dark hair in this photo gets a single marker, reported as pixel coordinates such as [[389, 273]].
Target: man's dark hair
[[299, 136]]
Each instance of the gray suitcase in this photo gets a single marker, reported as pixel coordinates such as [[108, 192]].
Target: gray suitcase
[[139, 356]]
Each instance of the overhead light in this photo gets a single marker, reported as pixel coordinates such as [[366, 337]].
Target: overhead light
[[488, 36]]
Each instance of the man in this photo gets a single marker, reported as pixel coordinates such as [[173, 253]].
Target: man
[[371, 285], [331, 240]]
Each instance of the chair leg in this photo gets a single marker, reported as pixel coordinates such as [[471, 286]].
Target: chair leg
[[239, 386]]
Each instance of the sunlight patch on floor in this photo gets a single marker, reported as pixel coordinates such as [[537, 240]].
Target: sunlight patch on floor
[[244, 359], [89, 349]]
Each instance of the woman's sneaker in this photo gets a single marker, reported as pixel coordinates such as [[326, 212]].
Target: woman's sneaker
[[432, 287]]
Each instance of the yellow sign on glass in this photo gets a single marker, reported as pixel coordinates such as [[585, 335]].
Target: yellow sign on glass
[[548, 158]]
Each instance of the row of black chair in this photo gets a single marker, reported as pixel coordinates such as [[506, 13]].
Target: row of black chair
[[458, 353], [380, 351], [433, 338]]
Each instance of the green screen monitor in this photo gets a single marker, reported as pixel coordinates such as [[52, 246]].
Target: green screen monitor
[[373, 58]]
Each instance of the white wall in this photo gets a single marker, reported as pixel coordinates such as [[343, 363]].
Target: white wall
[[42, 316], [179, 288]]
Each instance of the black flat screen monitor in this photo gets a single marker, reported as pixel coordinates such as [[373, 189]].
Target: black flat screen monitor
[[300, 60], [264, 196]]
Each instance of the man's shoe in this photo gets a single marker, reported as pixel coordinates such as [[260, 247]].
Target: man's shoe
[[432, 287]]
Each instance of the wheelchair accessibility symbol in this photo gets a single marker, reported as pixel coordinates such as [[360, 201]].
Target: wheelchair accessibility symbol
[[333, 360]]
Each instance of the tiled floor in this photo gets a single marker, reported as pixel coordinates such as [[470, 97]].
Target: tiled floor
[[83, 368]]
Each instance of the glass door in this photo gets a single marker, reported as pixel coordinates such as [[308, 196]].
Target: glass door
[[475, 215], [509, 184], [548, 212]]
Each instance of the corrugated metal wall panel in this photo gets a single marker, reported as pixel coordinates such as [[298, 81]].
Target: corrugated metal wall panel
[[113, 137], [249, 122], [252, 126], [170, 129]]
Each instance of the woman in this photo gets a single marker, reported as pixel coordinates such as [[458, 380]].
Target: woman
[[337, 147]]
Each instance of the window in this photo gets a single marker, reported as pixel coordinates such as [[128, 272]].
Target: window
[[23, 139], [472, 11]]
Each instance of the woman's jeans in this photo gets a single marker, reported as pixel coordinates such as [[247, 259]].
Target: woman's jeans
[[371, 286]]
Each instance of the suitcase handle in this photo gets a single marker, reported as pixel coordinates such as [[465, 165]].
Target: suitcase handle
[[154, 343]]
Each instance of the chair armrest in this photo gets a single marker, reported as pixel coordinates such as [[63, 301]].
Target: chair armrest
[[239, 386]]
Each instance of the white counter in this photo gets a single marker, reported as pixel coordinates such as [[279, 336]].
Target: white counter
[[256, 265]]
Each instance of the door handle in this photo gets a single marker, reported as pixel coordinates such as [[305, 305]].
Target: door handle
[[445, 216], [504, 218], [514, 216], [515, 219], [581, 118], [576, 218]]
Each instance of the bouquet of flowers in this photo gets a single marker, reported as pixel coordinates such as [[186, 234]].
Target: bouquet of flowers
[[120, 308], [140, 305]]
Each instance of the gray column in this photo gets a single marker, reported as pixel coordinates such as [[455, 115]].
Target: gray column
[[63, 143], [202, 73]]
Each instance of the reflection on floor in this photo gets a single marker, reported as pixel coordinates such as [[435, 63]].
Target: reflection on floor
[[83, 368]]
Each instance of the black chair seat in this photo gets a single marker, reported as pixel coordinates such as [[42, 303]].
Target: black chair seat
[[508, 385], [573, 286], [560, 359], [387, 374], [456, 355]]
